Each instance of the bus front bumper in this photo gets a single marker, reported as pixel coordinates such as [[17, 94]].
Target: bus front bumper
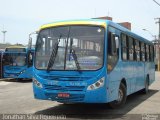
[[88, 96]]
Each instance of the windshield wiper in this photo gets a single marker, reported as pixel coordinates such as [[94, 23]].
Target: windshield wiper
[[53, 54], [72, 51], [75, 59]]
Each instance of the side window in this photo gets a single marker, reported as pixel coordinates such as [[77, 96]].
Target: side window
[[150, 53], [124, 47], [113, 46], [137, 50], [131, 49], [151, 50], [142, 52], [147, 53]]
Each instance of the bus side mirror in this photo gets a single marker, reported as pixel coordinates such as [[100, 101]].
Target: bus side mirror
[[30, 59]]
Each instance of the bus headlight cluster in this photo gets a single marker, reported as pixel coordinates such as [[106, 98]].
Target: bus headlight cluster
[[36, 83], [22, 71], [97, 84]]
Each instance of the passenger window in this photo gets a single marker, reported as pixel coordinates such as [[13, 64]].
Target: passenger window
[[113, 43], [137, 50], [131, 49], [147, 53], [124, 47], [142, 52], [151, 53]]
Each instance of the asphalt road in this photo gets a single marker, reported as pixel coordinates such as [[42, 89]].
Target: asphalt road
[[17, 98]]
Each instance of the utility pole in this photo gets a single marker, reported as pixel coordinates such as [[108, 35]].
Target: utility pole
[[4, 32], [158, 22]]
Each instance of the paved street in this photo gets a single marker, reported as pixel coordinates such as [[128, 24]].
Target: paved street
[[17, 97]]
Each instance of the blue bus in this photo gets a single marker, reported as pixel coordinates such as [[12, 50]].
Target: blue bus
[[18, 62], [1, 55], [91, 61]]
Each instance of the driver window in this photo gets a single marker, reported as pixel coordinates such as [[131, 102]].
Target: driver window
[[113, 48]]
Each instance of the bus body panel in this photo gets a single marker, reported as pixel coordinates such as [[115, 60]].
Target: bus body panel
[[27, 73], [76, 85], [134, 75], [150, 70], [17, 72]]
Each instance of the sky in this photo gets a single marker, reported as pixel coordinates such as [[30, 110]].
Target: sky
[[21, 17]]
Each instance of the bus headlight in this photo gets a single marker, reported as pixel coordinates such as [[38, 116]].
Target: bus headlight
[[22, 71], [97, 84], [36, 83]]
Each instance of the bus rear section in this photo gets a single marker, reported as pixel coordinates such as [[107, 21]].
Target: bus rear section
[[82, 61], [16, 64]]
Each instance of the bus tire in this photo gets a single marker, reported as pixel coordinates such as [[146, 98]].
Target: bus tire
[[18, 79], [122, 96], [68, 104], [146, 84]]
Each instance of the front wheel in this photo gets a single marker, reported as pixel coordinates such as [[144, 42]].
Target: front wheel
[[122, 96]]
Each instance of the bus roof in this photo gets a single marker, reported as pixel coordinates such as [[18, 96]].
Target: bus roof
[[75, 22], [15, 46], [100, 22]]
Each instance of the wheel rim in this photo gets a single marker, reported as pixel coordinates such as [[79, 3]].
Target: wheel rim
[[120, 95]]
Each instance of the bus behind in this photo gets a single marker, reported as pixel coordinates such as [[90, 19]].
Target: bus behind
[[17, 62]]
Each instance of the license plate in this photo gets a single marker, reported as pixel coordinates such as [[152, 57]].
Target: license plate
[[64, 95]]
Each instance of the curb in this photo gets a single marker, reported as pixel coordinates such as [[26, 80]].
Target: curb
[[6, 79]]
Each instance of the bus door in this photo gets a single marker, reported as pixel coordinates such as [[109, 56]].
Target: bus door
[[113, 66], [113, 48]]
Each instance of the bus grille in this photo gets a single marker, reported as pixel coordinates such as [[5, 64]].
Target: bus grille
[[60, 78], [72, 98], [64, 88]]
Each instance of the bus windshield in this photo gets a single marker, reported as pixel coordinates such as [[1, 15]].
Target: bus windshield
[[15, 50], [14, 59], [63, 47]]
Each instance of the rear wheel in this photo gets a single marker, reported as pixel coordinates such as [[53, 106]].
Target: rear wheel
[[19, 79], [122, 96], [146, 84]]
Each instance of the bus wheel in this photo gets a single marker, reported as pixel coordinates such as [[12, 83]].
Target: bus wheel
[[122, 96], [146, 84], [68, 104], [19, 79]]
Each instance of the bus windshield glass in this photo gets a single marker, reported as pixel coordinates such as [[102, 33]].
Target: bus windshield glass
[[14, 59], [70, 48]]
